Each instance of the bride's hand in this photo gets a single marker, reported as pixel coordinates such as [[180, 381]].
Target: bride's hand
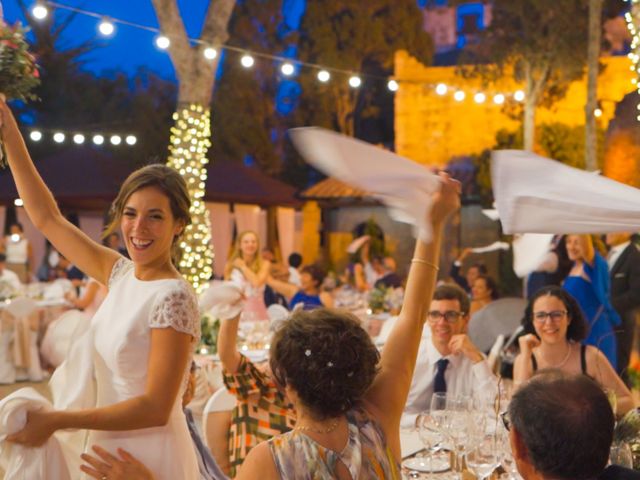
[[109, 467], [40, 426]]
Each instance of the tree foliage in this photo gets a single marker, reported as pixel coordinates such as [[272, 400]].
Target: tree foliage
[[355, 36], [542, 43]]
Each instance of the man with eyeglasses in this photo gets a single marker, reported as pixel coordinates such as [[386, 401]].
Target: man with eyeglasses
[[561, 428], [447, 360]]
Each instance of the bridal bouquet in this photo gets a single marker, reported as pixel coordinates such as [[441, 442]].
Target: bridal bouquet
[[19, 73]]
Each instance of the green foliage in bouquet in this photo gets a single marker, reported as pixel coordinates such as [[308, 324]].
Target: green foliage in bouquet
[[19, 74], [210, 327]]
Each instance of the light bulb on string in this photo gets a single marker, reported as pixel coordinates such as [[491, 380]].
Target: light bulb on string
[[115, 140], [324, 76], [393, 86], [247, 61], [355, 81], [287, 69], [518, 96], [163, 42], [78, 139], [39, 11], [597, 112], [210, 53], [98, 139], [106, 27], [498, 99], [58, 137], [441, 89], [479, 97], [131, 139], [459, 96], [36, 135]]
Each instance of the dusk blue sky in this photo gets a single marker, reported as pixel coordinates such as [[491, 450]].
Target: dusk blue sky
[[129, 47]]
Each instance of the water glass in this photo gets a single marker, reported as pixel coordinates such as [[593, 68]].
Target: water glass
[[483, 459]]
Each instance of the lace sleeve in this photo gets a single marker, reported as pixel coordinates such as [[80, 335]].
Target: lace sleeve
[[120, 267], [177, 308]]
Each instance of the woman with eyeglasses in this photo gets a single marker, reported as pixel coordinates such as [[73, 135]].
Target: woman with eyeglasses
[[554, 326]]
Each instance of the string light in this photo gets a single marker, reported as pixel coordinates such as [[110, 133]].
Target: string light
[[287, 69], [36, 135], [106, 27], [324, 76], [247, 61], [288, 66], [39, 12], [459, 96], [479, 97], [188, 155], [79, 138], [210, 53], [597, 113], [18, 203], [163, 42], [633, 25]]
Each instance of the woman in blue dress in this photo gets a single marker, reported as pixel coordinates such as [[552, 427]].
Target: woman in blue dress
[[588, 283], [309, 294]]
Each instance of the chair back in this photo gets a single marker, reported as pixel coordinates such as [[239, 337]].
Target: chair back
[[22, 307]]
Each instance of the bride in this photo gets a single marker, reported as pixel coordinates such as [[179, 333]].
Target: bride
[[144, 331]]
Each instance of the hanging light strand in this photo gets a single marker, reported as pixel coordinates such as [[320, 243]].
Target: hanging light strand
[[290, 66]]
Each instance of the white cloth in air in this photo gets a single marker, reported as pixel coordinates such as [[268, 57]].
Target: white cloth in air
[[536, 195]]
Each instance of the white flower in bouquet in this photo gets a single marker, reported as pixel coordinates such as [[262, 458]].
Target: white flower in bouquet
[[6, 289]]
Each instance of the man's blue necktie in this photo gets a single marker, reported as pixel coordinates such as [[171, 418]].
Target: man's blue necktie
[[439, 383]]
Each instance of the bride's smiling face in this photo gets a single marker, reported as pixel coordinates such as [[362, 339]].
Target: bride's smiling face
[[148, 226]]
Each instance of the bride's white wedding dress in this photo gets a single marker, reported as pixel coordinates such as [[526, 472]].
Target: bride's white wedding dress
[[122, 332]]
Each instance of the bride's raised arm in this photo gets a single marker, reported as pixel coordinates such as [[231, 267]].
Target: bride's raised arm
[[93, 259]]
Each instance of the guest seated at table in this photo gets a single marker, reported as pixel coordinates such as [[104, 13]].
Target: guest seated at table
[[8, 276], [561, 428], [349, 399], [554, 326], [484, 290], [447, 359], [262, 410], [385, 267], [310, 294], [474, 271]]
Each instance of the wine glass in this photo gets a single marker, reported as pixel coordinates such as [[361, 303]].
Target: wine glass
[[483, 458], [438, 409], [430, 433]]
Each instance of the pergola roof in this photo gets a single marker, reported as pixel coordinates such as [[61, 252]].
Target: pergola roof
[[232, 182], [81, 177], [89, 178], [332, 189]]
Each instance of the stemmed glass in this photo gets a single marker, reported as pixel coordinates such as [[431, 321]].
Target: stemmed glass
[[461, 426], [430, 433], [483, 458]]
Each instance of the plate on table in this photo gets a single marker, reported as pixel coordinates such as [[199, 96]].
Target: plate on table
[[423, 464]]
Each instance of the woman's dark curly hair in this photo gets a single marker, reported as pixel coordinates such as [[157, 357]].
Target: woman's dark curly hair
[[577, 329], [327, 358]]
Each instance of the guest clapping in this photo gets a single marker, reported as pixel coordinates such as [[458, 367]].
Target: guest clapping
[[554, 327]]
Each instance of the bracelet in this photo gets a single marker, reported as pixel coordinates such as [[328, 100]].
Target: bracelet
[[430, 264]]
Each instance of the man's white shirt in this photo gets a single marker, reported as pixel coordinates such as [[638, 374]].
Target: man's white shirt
[[462, 377]]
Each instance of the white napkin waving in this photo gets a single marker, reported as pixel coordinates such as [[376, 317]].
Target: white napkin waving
[[495, 246], [403, 185], [223, 301], [26, 463], [537, 195]]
